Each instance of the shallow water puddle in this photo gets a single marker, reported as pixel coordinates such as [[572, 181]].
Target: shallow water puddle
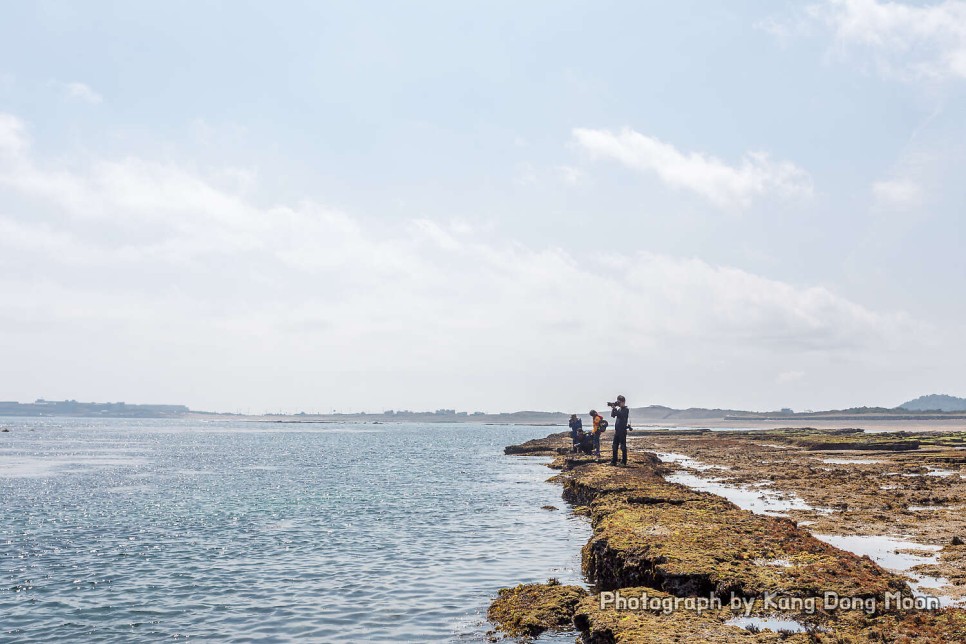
[[688, 462], [561, 637], [777, 563], [758, 499], [882, 550], [932, 471], [851, 461], [929, 586], [888, 553], [768, 623], [935, 471]]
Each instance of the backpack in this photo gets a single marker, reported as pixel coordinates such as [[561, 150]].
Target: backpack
[[602, 426]]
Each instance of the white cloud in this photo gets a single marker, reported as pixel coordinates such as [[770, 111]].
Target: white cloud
[[724, 185], [779, 29], [525, 175], [570, 175], [13, 135], [787, 377], [77, 91], [897, 193], [148, 268], [787, 28], [904, 40]]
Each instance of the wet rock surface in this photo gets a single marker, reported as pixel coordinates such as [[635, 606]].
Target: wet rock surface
[[915, 495], [548, 446], [667, 540], [528, 610]]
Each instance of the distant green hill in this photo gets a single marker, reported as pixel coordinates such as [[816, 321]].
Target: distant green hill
[[935, 402]]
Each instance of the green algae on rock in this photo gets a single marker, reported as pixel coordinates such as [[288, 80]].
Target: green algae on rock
[[549, 446], [530, 609], [657, 537], [608, 625], [649, 532]]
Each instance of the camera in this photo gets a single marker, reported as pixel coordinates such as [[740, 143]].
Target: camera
[[613, 404]]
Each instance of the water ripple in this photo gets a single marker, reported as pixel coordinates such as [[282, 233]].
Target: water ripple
[[172, 529]]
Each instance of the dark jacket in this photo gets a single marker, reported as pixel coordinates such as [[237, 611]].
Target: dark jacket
[[575, 424], [621, 414]]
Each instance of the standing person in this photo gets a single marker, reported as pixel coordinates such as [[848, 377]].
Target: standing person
[[599, 426], [576, 428], [620, 411]]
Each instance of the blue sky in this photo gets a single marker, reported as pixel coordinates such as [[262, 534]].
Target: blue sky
[[264, 206]]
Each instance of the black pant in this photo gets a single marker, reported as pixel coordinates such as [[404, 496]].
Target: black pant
[[620, 440]]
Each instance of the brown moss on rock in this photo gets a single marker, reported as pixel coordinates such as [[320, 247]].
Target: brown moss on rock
[[838, 439], [950, 564], [654, 626], [609, 625], [916, 627], [641, 480], [667, 539], [866, 445], [530, 609], [548, 446], [699, 548], [947, 439], [650, 532], [914, 495]]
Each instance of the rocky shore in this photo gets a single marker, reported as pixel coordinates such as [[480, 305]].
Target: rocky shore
[[669, 563]]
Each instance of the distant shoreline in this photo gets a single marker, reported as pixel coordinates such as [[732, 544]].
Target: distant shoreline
[[654, 415]]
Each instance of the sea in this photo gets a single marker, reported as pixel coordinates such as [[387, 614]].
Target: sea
[[158, 530]]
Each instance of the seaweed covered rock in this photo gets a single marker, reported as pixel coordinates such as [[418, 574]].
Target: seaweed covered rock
[[549, 446], [830, 440], [658, 537], [607, 624], [651, 532], [703, 547], [919, 627], [530, 609], [636, 484], [603, 622]]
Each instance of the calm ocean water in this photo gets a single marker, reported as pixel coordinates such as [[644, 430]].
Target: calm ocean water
[[116, 530]]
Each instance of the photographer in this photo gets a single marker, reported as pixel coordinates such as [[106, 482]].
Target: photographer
[[620, 411], [576, 428]]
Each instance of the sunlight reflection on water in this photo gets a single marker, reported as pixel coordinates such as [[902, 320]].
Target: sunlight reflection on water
[[150, 529]]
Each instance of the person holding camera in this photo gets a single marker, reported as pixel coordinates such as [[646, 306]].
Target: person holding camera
[[620, 411]]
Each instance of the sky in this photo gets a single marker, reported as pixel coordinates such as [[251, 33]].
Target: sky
[[361, 206]]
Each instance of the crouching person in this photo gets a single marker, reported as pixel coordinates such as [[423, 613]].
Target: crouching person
[[576, 428]]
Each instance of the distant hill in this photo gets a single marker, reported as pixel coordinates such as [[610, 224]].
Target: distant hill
[[925, 407], [935, 402], [660, 412], [41, 407]]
